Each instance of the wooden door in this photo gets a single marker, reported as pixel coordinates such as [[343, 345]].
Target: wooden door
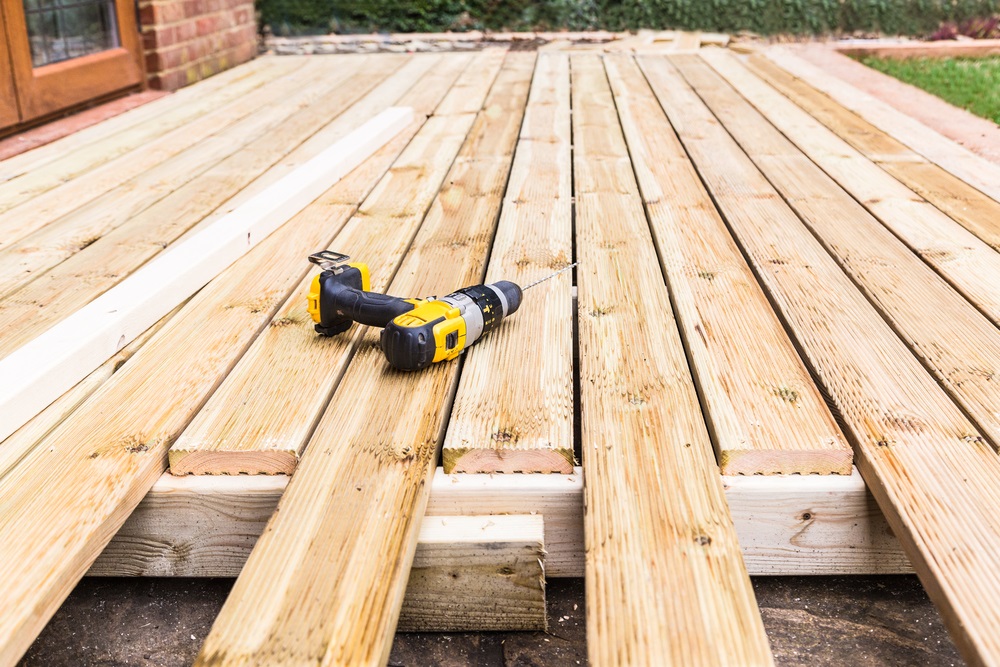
[[67, 52], [8, 100]]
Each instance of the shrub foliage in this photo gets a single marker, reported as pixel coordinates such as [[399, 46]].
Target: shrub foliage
[[767, 17]]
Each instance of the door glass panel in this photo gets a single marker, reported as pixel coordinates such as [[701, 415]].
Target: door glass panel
[[64, 29]]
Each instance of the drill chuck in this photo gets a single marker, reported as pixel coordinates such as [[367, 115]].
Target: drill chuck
[[441, 329]]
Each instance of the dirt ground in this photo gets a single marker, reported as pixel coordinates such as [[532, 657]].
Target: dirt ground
[[855, 621]]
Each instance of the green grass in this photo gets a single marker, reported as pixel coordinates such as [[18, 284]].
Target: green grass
[[970, 83]]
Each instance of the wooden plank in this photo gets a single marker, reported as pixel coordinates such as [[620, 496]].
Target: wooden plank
[[474, 572], [22, 441], [514, 408], [33, 214], [362, 485], [37, 158], [958, 345], [931, 472], [107, 261], [764, 410], [971, 168], [20, 182], [961, 258], [56, 360], [420, 83], [70, 494], [206, 526], [253, 424], [652, 483], [470, 573], [24, 260], [971, 48], [794, 525], [960, 201]]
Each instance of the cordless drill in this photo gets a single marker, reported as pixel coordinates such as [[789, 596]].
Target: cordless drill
[[417, 332]]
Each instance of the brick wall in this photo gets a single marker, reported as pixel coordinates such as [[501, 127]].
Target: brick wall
[[188, 40]]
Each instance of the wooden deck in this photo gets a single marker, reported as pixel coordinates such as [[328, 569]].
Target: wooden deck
[[778, 297]]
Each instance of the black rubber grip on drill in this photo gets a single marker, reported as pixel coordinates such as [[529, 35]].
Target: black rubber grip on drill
[[409, 348], [342, 302]]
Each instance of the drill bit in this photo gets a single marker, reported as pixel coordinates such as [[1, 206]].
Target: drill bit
[[551, 275]]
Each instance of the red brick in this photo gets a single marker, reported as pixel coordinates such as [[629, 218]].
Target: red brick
[[167, 13], [168, 81], [184, 31], [207, 25]]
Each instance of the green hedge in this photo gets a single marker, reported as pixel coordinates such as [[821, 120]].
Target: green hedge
[[766, 17]]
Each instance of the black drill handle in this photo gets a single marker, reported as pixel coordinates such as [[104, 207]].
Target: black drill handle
[[343, 302], [371, 308]]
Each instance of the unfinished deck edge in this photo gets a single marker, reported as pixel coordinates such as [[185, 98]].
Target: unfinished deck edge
[[206, 526]]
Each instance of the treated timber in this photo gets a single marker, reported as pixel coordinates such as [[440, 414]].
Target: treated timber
[[23, 440], [955, 342], [931, 472], [653, 486], [962, 202], [470, 573], [69, 495], [94, 135], [400, 87], [979, 172], [56, 360], [238, 101], [23, 179], [514, 408], [206, 526], [147, 199], [964, 260], [347, 526], [102, 264], [764, 410], [253, 424]]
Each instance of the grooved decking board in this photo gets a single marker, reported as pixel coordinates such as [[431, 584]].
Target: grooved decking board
[[953, 339], [94, 135], [514, 408], [325, 582], [931, 472], [434, 75], [65, 500], [962, 202], [104, 263], [20, 182], [53, 362], [652, 483], [764, 410], [149, 203], [253, 424], [239, 101], [973, 169], [957, 254]]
